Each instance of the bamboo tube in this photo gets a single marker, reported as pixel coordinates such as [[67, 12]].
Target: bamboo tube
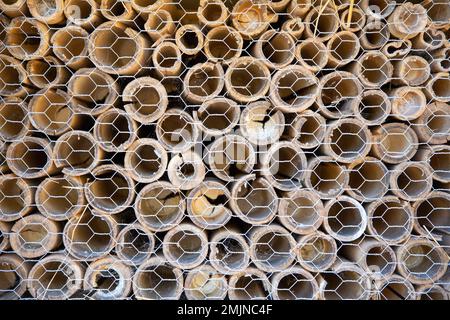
[[254, 200], [293, 89], [217, 116], [90, 236], [294, 284], [279, 5], [16, 197], [283, 165], [112, 189], [397, 49], [166, 59], [203, 82], [411, 180], [374, 107], [374, 35], [312, 54], [212, 13], [438, 157], [5, 231], [430, 39], [294, 27], [390, 220], [4, 22], [207, 205], [4, 168], [229, 251], [14, 8], [108, 279], [121, 11], [146, 7], [368, 179], [159, 25], [13, 274], [251, 19], [13, 78], [146, 160], [14, 119], [377, 9], [438, 13], [47, 72], [135, 244], [70, 45], [83, 13], [47, 11], [347, 140], [156, 279], [430, 214], [431, 292], [185, 246], [441, 60], [117, 49], [250, 284], [186, 170], [438, 87], [326, 177], [177, 131], [92, 91], [261, 124], [411, 70], [321, 24], [275, 49], [56, 277], [407, 20], [421, 261], [373, 69], [394, 142], [395, 288], [272, 248], [343, 48], [184, 11], [339, 91], [160, 206], [299, 8], [189, 39], [357, 20], [205, 283]]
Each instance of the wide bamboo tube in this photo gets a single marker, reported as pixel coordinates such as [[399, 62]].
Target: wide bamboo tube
[[146, 7], [14, 8], [438, 13], [14, 80], [438, 87], [217, 116], [438, 157], [321, 24], [299, 8], [374, 107], [47, 72], [251, 19], [108, 279], [13, 276], [390, 220], [394, 288], [135, 244], [411, 180], [275, 49], [159, 25], [56, 277], [294, 27], [203, 82], [14, 119], [16, 197], [294, 284], [343, 47], [83, 13], [229, 251], [121, 11], [5, 231], [374, 35], [373, 69], [166, 59], [430, 214], [354, 22], [160, 206], [189, 39], [186, 170], [397, 49], [407, 20], [212, 13], [412, 71], [378, 9], [250, 284], [205, 283], [47, 11], [433, 126], [431, 292], [430, 39], [312, 54], [70, 45]]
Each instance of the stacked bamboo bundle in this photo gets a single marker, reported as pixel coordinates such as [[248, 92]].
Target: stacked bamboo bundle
[[209, 149]]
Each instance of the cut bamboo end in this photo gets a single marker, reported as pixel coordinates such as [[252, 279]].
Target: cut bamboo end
[[390, 220], [145, 7], [250, 284], [14, 8], [430, 39], [353, 20], [321, 24], [166, 59], [108, 279], [135, 244], [48, 12], [441, 60], [16, 197], [275, 49], [272, 248], [159, 25], [160, 206], [438, 14], [294, 27], [251, 19], [411, 180], [308, 128], [397, 49], [374, 35], [56, 277], [378, 9], [438, 87], [184, 11], [407, 20], [205, 283], [47, 72], [202, 82], [299, 8], [83, 13], [5, 231], [4, 22], [374, 107], [189, 38], [70, 45], [146, 160], [14, 119], [438, 157], [121, 11], [312, 54], [212, 13], [217, 116], [412, 71], [343, 48], [373, 69], [294, 284], [431, 292], [395, 288], [429, 214], [186, 170], [13, 77], [13, 276]]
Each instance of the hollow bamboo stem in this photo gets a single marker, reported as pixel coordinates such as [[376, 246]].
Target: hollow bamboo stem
[[374, 107], [374, 35], [166, 59], [275, 49], [343, 48], [83, 13], [70, 45], [5, 232], [14, 80], [203, 82], [294, 27], [217, 116], [429, 214], [14, 119], [47, 72], [16, 197], [373, 69], [430, 39], [357, 20], [308, 128], [295, 284], [438, 158], [299, 8], [250, 284], [13, 274], [412, 71], [212, 13], [395, 288], [121, 11], [186, 170], [378, 9], [159, 25], [251, 19], [135, 244], [438, 87], [47, 11], [321, 24], [14, 8], [189, 38], [312, 54], [431, 292], [407, 20], [316, 251], [397, 49], [433, 126], [411, 180], [205, 283]]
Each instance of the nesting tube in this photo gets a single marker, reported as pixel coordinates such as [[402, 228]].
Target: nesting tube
[[407, 20], [431, 292], [438, 13], [411, 180], [321, 24], [294, 27], [13, 77], [395, 287], [251, 19], [433, 126], [397, 49], [430, 214], [14, 8], [299, 8], [378, 9], [16, 197], [343, 47], [217, 116], [407, 103], [294, 284], [186, 170], [48, 12], [70, 45], [83, 13], [412, 71], [250, 284], [166, 59], [13, 276], [438, 157], [441, 60], [4, 22], [438, 87], [275, 49], [5, 229], [203, 82], [430, 39], [135, 244], [56, 277], [353, 22], [159, 25], [205, 283], [117, 10], [14, 119], [47, 72], [373, 69], [373, 108], [374, 35], [212, 13], [189, 38]]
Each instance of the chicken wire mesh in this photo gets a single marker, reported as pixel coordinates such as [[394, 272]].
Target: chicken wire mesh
[[208, 149]]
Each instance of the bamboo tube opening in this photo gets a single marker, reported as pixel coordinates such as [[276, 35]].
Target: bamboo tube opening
[[275, 49], [407, 20], [343, 48], [13, 275], [115, 130], [379, 9], [347, 282], [374, 35], [373, 69], [321, 26], [250, 19], [250, 284], [217, 116], [408, 103], [411, 180], [299, 8], [357, 20], [135, 244], [441, 60], [27, 39], [430, 214], [47, 72], [47, 11], [295, 284], [312, 54], [293, 89], [229, 252], [117, 10], [83, 13], [203, 82], [189, 38], [70, 45], [4, 22], [438, 13], [433, 125], [438, 87], [159, 24], [396, 288], [212, 13], [431, 292], [14, 119], [167, 59], [440, 163], [16, 197], [374, 107], [412, 70], [176, 130], [205, 283], [5, 229], [397, 49], [430, 39], [186, 170], [160, 206], [294, 27], [14, 8], [13, 77]]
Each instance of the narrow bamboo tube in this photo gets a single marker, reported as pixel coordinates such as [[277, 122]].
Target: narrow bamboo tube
[[189, 38], [56, 277], [160, 206], [378, 9], [70, 45], [373, 69], [430, 214], [60, 198], [83, 13], [90, 236], [229, 251], [294, 27], [357, 20], [326, 177], [166, 59], [156, 279], [135, 244], [299, 8], [275, 49], [438, 87], [14, 80], [433, 126], [47, 72], [397, 49], [108, 279], [250, 284], [411, 180], [261, 124], [217, 116], [159, 25], [438, 157], [283, 165], [438, 13], [321, 26], [186, 170], [47, 11], [212, 13], [395, 288], [312, 54], [368, 179], [441, 60], [5, 232], [13, 276], [374, 35], [294, 284], [254, 200], [430, 39], [112, 189], [421, 261], [343, 48], [117, 10], [407, 20], [411, 70], [14, 119], [16, 197], [272, 248], [394, 142], [205, 283], [374, 107], [431, 292], [146, 160], [390, 220], [203, 82], [14, 8], [308, 128], [251, 19]]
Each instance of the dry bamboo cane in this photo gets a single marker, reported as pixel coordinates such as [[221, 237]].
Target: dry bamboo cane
[[47, 11], [203, 82], [294, 284], [429, 214], [13, 274], [373, 69], [16, 197], [83, 13], [407, 20], [411, 180], [408, 103], [108, 279], [312, 54], [411, 70], [5, 233], [14, 119], [294, 27], [357, 20], [394, 287], [275, 49], [212, 13], [343, 48], [166, 59], [374, 35], [14, 8], [135, 244], [47, 72], [378, 9], [431, 292], [441, 60], [189, 38], [308, 128], [250, 284], [299, 8], [438, 87], [374, 107], [217, 116], [56, 277], [430, 39], [397, 49], [438, 158], [321, 23], [70, 45], [4, 22], [186, 170], [438, 13], [251, 19], [278, 5], [121, 11], [205, 283], [146, 7], [14, 80], [159, 25]]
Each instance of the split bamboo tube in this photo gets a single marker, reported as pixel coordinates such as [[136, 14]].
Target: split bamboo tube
[[14, 119], [56, 277], [212, 13], [301, 211], [207, 205], [438, 13], [250, 284], [294, 284], [13, 276], [438, 87], [60, 198], [112, 189], [293, 89], [312, 54], [160, 206], [321, 24], [272, 248], [254, 200], [47, 11], [326, 177], [251, 19], [397, 49], [92, 91], [411, 70], [390, 220], [430, 39], [166, 59], [299, 8], [275, 49], [394, 142], [441, 60], [47, 72], [5, 231], [357, 19], [70, 45], [343, 48], [108, 279], [14, 8], [186, 170], [205, 283], [374, 35], [203, 82], [438, 157], [156, 279], [189, 39], [217, 116], [159, 25], [395, 288], [373, 69], [283, 165], [294, 27], [83, 13], [13, 78], [407, 20], [121, 11], [378, 9], [374, 107], [431, 292], [90, 236], [229, 251], [433, 126], [368, 179], [135, 244], [16, 197], [430, 214], [411, 180], [146, 160], [247, 79]]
